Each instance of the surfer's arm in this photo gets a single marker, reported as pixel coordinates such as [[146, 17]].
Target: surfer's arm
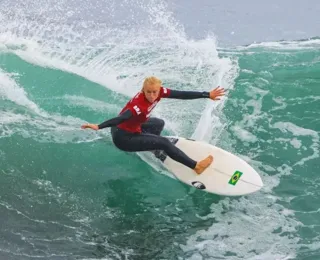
[[116, 120], [178, 94]]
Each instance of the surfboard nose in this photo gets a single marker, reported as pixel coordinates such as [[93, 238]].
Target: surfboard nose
[[259, 182]]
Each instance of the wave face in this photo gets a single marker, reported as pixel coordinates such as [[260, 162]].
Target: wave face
[[70, 194]]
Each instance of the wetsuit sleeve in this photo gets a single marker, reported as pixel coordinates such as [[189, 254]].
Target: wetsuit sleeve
[[117, 120], [178, 94]]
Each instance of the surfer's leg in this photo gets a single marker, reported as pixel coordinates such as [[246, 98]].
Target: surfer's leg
[[131, 142], [153, 125]]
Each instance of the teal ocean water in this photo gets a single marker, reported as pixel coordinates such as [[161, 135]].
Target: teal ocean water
[[67, 193]]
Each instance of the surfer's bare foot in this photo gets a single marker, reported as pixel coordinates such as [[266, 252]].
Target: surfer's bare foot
[[203, 164]]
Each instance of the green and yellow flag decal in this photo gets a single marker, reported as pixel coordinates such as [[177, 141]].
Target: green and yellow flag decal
[[235, 177]]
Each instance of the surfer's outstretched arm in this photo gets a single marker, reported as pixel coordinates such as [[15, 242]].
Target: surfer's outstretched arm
[[214, 94], [117, 120], [111, 122]]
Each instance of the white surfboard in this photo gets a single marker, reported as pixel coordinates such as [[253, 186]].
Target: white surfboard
[[228, 175]]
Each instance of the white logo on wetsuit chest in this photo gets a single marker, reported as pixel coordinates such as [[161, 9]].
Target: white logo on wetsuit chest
[[137, 109]]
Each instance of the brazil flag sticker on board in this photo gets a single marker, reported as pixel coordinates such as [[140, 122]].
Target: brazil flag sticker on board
[[235, 177]]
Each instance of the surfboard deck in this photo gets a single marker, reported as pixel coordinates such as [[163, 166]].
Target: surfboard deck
[[228, 175]]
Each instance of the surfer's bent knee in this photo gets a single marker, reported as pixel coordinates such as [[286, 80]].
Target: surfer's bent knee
[[117, 138]]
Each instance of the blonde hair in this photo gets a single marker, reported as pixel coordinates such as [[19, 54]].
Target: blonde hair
[[151, 81]]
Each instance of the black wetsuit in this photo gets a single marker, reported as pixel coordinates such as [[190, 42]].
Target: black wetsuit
[[149, 139]]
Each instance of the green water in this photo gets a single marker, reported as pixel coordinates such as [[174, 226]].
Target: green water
[[67, 193]]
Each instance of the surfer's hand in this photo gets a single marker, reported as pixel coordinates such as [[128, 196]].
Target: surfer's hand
[[216, 93], [92, 126]]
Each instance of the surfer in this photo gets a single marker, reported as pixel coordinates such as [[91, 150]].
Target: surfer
[[133, 130]]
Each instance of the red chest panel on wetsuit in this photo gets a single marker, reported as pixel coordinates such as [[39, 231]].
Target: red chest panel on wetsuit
[[141, 109]]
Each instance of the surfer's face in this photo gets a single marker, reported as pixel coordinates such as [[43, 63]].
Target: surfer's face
[[151, 92]]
